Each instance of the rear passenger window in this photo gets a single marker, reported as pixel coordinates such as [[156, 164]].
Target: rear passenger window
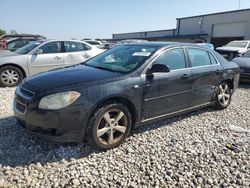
[[74, 47], [174, 59], [198, 57], [213, 60]]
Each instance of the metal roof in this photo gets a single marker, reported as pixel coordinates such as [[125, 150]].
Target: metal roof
[[211, 14]]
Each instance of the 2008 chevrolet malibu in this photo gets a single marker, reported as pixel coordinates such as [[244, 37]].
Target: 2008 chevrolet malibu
[[101, 100]]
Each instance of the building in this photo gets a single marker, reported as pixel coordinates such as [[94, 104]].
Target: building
[[218, 29]]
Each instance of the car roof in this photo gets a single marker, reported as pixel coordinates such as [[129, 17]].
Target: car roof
[[166, 44], [240, 41], [70, 40]]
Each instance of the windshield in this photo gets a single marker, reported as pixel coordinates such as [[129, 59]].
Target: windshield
[[122, 59], [247, 54], [26, 49], [237, 44], [93, 42]]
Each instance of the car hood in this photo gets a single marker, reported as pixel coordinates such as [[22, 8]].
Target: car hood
[[242, 62], [7, 53], [232, 49], [68, 77]]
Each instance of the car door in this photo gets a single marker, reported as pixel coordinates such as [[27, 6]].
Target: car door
[[166, 93], [206, 72], [76, 52], [50, 57]]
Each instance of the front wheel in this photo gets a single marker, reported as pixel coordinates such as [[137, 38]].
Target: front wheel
[[10, 76], [109, 126], [223, 96]]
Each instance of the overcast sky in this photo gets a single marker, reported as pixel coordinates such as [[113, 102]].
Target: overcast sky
[[101, 18]]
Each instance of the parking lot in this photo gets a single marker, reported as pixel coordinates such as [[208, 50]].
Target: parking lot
[[206, 148]]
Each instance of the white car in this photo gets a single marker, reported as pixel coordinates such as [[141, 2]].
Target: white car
[[95, 43], [234, 49], [41, 56]]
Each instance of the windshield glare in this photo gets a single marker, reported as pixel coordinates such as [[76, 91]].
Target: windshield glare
[[26, 49], [237, 44], [124, 59]]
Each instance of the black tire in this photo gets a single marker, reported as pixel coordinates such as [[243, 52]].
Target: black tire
[[97, 121], [222, 102], [17, 74]]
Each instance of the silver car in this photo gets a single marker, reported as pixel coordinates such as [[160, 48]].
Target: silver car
[[41, 56]]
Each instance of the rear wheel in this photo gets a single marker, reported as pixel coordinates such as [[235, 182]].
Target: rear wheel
[[109, 126], [224, 96], [10, 76]]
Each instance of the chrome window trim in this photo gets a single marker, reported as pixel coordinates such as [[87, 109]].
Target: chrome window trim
[[183, 48]]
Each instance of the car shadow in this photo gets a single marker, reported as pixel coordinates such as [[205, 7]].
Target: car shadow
[[19, 148]]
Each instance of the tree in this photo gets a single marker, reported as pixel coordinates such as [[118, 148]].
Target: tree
[[2, 32]]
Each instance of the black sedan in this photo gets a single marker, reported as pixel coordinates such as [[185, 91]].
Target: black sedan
[[244, 64], [101, 100]]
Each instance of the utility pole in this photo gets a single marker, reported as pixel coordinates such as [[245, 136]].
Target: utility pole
[[239, 4]]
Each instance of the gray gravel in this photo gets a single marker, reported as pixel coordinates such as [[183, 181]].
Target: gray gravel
[[206, 148]]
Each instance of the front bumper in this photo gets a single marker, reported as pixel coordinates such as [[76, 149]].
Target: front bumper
[[65, 125]]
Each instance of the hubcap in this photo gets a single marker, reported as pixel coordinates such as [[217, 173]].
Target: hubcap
[[224, 94], [9, 77], [112, 127]]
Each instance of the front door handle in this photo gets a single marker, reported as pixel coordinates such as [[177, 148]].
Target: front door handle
[[142, 85], [186, 76], [57, 58], [217, 71]]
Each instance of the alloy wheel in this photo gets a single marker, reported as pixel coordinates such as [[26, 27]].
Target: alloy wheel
[[224, 94], [112, 127], [10, 77]]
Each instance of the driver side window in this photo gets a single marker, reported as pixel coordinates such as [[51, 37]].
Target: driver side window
[[51, 48], [174, 59]]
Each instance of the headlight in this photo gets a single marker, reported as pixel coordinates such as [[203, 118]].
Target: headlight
[[58, 100]]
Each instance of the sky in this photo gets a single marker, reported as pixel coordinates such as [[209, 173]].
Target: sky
[[102, 18]]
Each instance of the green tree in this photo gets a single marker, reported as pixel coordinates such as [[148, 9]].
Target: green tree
[[2, 32]]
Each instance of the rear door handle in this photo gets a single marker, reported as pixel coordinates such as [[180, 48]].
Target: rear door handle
[[186, 76]]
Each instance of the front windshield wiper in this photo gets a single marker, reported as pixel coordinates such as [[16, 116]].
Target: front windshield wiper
[[103, 68]]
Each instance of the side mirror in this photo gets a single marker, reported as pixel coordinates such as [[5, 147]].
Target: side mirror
[[158, 68], [38, 51]]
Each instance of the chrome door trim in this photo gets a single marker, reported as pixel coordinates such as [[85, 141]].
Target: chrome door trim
[[172, 113], [169, 95]]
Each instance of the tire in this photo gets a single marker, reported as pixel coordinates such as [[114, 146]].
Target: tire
[[223, 96], [102, 124], [10, 76]]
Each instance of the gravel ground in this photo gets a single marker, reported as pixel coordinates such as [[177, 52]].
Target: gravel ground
[[205, 148]]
